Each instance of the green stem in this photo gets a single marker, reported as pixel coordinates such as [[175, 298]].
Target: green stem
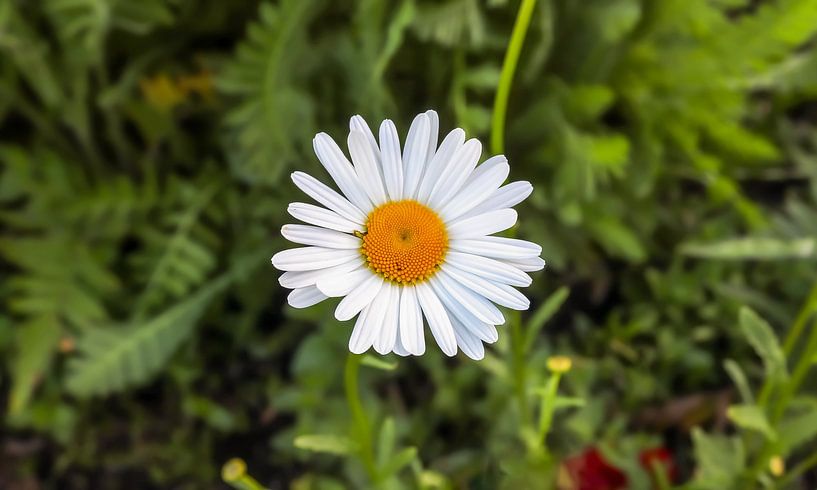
[[547, 408], [360, 421], [799, 324], [802, 367], [520, 29], [792, 338]]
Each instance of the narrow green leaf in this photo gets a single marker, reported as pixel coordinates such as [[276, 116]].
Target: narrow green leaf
[[799, 426], [403, 458], [763, 339], [326, 444], [735, 372], [753, 248], [751, 417], [545, 313], [378, 363], [36, 345]]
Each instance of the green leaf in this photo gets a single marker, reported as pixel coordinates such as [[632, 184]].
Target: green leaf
[[545, 313], [799, 426], [751, 417], [753, 249], [331, 444], [378, 363], [112, 359], [763, 339], [36, 344], [735, 372], [403, 458], [721, 460]]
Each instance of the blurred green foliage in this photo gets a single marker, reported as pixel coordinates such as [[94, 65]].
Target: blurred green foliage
[[145, 148]]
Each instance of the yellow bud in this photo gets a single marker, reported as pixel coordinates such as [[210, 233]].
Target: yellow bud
[[777, 466], [233, 470], [559, 364]]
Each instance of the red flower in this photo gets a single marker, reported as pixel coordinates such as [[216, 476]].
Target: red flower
[[589, 471], [662, 456]]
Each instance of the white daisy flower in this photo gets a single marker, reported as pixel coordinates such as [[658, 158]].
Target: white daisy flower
[[409, 236]]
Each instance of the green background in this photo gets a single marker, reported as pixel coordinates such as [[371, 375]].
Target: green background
[[145, 149]]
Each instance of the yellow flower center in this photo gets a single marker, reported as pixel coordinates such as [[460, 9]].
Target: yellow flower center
[[405, 241]]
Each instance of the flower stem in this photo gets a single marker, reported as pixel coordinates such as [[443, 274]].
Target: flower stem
[[520, 29], [361, 428]]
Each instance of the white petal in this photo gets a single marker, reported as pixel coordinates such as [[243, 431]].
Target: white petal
[[498, 247], [441, 159], [320, 237], [433, 133], [357, 123], [399, 349], [411, 322], [341, 170], [468, 342], [342, 282], [392, 162], [367, 168], [506, 196], [483, 182], [438, 321], [318, 191], [490, 269], [414, 155], [385, 341], [458, 311], [501, 294], [300, 279], [372, 322], [305, 297], [483, 309], [483, 224], [363, 333], [456, 173], [531, 264], [311, 258], [358, 298], [318, 216]]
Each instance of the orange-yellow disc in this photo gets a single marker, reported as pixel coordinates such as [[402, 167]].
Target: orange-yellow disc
[[405, 241]]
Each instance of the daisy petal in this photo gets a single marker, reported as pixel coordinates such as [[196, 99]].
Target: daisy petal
[[531, 264], [305, 297], [392, 162], [311, 258], [483, 224], [341, 170], [318, 191], [457, 311], [414, 154], [480, 307], [483, 182], [300, 279], [438, 321], [358, 298], [500, 294], [385, 341], [357, 123], [366, 167], [506, 196], [433, 133], [411, 322], [372, 323], [498, 247], [321, 237], [449, 147], [363, 333], [490, 269], [318, 216], [470, 344], [342, 282], [399, 349], [456, 173]]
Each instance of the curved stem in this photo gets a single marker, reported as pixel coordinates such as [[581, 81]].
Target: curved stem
[[520, 29], [360, 421]]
